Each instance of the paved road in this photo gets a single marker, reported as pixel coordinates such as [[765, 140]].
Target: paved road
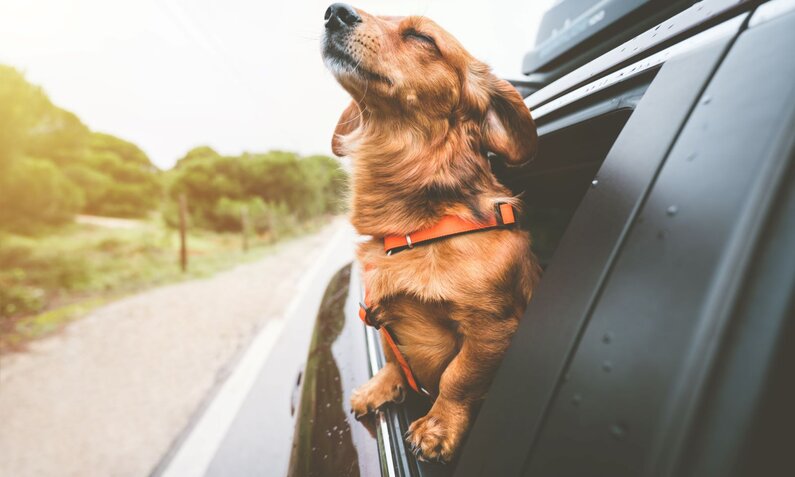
[[121, 392]]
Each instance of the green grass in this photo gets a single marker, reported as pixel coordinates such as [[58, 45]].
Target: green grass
[[49, 280]]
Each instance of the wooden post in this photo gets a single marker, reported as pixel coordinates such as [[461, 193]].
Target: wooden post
[[183, 245], [244, 225]]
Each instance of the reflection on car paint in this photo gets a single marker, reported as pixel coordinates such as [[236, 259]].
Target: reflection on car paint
[[327, 439]]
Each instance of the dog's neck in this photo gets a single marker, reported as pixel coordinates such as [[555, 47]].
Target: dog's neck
[[407, 175]]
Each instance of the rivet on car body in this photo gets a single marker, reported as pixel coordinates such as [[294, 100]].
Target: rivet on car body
[[672, 210], [618, 431]]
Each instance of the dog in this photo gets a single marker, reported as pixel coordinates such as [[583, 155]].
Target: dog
[[424, 116]]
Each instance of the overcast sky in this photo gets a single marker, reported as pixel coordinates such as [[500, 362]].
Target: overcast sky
[[238, 75]]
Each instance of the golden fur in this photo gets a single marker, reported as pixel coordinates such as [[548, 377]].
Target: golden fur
[[424, 114]]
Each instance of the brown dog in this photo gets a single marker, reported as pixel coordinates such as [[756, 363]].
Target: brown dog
[[423, 116]]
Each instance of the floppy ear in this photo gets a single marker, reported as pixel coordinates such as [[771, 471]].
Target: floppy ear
[[348, 122], [509, 130]]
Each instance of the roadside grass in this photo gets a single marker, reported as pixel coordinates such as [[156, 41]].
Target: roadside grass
[[50, 280]]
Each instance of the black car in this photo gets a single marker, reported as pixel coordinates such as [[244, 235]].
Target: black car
[[662, 203]]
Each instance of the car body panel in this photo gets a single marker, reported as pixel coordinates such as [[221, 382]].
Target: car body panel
[[533, 366], [752, 386], [639, 366]]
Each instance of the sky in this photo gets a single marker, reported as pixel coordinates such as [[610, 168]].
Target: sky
[[237, 75]]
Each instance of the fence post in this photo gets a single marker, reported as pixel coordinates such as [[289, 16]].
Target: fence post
[[244, 225], [183, 245]]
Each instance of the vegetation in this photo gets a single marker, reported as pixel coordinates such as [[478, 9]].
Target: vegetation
[[274, 190], [53, 167], [48, 280]]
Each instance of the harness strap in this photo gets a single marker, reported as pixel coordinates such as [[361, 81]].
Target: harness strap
[[449, 225], [387, 336]]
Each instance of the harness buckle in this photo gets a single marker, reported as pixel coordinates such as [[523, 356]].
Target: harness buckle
[[366, 316], [498, 214]]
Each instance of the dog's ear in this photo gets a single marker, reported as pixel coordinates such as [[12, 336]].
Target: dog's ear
[[508, 129], [348, 122]]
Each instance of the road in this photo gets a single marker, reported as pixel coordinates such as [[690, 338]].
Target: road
[[165, 381]]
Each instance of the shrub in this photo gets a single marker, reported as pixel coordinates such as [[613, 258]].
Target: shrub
[[35, 192], [274, 186], [20, 300]]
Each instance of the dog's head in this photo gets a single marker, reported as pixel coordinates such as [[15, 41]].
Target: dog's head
[[410, 66]]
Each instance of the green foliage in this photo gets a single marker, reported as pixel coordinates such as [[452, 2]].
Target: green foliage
[[52, 166], [35, 192], [85, 262], [94, 184], [35, 270], [21, 107], [128, 152], [272, 188], [16, 299], [59, 136], [132, 185], [197, 154]]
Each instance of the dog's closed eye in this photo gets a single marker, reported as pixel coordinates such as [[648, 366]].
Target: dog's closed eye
[[414, 35]]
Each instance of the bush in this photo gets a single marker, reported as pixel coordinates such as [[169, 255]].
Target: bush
[[94, 184], [28, 268], [35, 192], [227, 215], [277, 186], [21, 107], [73, 166], [20, 300], [117, 186]]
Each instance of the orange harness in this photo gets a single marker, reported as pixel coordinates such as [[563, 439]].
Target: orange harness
[[449, 225]]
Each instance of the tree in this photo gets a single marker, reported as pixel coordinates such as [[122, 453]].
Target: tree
[[276, 186], [58, 158], [21, 107], [37, 193], [197, 154]]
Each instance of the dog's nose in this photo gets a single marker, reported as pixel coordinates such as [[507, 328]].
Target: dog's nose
[[340, 15]]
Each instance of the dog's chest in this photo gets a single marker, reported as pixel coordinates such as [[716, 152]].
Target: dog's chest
[[419, 273]]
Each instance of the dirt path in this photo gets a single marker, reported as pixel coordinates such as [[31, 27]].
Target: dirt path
[[108, 396]]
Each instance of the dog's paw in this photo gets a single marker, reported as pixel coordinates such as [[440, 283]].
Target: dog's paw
[[432, 439], [383, 388]]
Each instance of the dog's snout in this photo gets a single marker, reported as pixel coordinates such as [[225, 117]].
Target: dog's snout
[[340, 15]]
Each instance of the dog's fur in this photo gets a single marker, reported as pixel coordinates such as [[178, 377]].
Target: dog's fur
[[424, 114]]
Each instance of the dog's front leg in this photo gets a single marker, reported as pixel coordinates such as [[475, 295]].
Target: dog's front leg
[[386, 386], [438, 434]]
